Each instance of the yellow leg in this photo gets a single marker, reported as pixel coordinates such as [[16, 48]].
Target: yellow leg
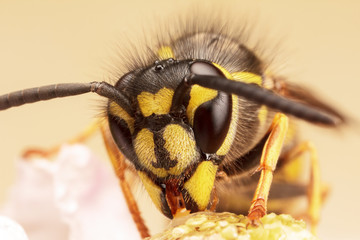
[[269, 158], [46, 153], [118, 162], [316, 191]]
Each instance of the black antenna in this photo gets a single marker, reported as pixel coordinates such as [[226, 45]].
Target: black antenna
[[261, 96], [179, 95], [37, 94]]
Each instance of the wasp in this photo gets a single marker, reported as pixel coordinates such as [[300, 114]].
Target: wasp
[[205, 124]]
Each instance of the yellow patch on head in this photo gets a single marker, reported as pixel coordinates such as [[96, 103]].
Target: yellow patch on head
[[201, 183], [153, 190], [118, 111], [247, 77], [198, 96], [224, 71], [158, 103], [165, 53], [181, 147], [225, 147], [145, 150]]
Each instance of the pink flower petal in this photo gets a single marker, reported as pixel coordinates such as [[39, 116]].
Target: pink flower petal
[[75, 197]]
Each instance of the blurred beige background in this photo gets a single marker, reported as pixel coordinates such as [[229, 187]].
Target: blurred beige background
[[45, 42]]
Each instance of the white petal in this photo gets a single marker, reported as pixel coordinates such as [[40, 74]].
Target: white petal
[[10, 230], [90, 198], [75, 197], [30, 201]]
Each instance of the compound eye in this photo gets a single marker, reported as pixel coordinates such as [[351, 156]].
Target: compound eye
[[212, 118], [121, 135], [205, 68]]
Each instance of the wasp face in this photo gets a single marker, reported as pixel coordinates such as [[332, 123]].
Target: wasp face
[[175, 139]]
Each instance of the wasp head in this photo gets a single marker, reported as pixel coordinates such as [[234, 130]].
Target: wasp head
[[176, 135]]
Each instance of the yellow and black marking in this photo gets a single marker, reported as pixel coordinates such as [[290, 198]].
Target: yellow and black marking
[[158, 103], [200, 185]]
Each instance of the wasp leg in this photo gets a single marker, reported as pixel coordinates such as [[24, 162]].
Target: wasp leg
[[316, 191], [118, 162], [215, 201], [269, 158], [81, 137]]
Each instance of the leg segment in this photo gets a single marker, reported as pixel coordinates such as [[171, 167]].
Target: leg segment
[[269, 158], [118, 162], [316, 191]]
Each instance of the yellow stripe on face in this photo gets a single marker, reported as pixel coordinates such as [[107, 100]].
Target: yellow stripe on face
[[181, 147], [225, 147], [198, 96], [165, 53], [247, 77], [118, 111], [224, 71], [145, 150], [201, 183], [153, 190], [158, 103]]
